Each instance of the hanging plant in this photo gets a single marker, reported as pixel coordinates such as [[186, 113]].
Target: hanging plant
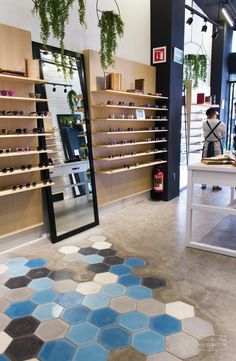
[[72, 101], [54, 16], [111, 28], [203, 67], [195, 68]]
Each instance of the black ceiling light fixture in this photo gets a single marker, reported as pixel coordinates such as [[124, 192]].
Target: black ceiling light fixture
[[204, 28], [65, 89], [190, 20], [215, 33], [54, 88]]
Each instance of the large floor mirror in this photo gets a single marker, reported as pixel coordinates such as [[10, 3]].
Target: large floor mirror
[[72, 200]]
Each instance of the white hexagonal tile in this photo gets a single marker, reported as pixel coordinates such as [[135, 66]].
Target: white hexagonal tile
[[101, 245], [97, 239], [3, 305], [5, 341], [197, 327], [3, 268], [162, 356], [4, 321], [88, 288], [105, 278], [123, 304], [69, 249], [151, 307], [180, 310], [182, 345]]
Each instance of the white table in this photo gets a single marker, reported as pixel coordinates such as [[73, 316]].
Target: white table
[[222, 175]]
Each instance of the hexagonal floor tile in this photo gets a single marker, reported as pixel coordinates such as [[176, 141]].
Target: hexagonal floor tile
[[4, 305], [16, 261], [73, 315], [93, 352], [24, 348], [47, 311], [105, 278], [83, 333], [197, 327], [87, 251], [36, 263], [98, 238], [151, 307], [134, 321], [18, 271], [148, 342], [22, 326], [17, 282], [40, 284], [96, 301], [4, 321], [20, 309], [165, 325], [93, 259], [38, 273], [68, 249], [108, 252], [65, 286], [114, 338], [45, 296], [88, 288], [134, 262], [59, 350], [98, 268], [153, 282], [70, 299], [4, 358], [113, 260], [3, 268], [3, 291], [61, 274], [180, 310], [182, 345], [114, 290], [139, 292], [104, 317], [102, 245], [51, 330], [5, 341], [120, 270], [163, 356], [73, 257], [130, 280], [123, 304]]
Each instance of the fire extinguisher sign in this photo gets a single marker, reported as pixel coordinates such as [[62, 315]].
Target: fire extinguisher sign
[[159, 55]]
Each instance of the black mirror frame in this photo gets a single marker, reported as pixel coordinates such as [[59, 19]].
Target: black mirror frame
[[47, 191]]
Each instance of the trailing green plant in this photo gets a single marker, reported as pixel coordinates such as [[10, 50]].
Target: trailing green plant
[[111, 28], [72, 101], [195, 68]]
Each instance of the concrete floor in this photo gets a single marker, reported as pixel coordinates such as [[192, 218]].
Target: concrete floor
[[155, 231]]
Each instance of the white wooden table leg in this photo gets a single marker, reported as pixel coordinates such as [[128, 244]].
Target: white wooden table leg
[[189, 208]]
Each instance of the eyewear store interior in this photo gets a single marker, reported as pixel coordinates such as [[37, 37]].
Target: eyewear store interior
[[110, 248]]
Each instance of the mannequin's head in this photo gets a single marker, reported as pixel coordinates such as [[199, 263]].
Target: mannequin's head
[[211, 113]]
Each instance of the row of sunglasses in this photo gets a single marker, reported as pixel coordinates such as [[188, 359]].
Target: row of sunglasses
[[28, 185], [133, 141], [22, 131], [26, 167], [21, 113], [131, 129], [21, 149], [133, 154], [132, 104], [131, 116]]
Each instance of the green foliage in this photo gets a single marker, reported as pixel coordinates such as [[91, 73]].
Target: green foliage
[[195, 68], [72, 101], [111, 27], [82, 12]]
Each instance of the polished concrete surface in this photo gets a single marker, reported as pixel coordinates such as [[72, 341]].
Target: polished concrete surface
[[155, 231]]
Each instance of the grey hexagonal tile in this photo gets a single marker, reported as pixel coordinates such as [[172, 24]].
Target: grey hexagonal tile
[[38, 273], [73, 257], [61, 274], [182, 345], [65, 286], [22, 326], [123, 304], [19, 294], [3, 291], [3, 305], [162, 356], [51, 330], [151, 307], [197, 327]]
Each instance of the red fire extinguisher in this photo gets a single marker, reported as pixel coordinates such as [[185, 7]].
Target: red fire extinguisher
[[158, 181]]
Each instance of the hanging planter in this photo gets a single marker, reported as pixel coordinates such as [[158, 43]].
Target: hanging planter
[[111, 28], [72, 101], [195, 68]]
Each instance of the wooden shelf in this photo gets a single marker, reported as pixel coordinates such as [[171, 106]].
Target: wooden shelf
[[24, 135], [134, 131], [128, 107], [22, 117], [129, 94], [21, 79], [132, 155], [130, 144], [120, 170], [132, 120], [208, 105], [14, 154], [9, 192], [32, 100], [19, 171]]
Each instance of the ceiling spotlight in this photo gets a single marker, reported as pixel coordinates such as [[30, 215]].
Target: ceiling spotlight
[[54, 88], [204, 28], [190, 20], [215, 33], [65, 90], [228, 17]]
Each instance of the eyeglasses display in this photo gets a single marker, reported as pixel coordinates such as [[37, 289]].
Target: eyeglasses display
[[7, 150], [10, 93], [11, 112]]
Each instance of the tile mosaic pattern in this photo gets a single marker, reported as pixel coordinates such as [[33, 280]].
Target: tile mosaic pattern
[[47, 316]]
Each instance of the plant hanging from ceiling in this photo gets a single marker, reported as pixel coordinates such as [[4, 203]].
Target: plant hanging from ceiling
[[195, 68], [72, 101]]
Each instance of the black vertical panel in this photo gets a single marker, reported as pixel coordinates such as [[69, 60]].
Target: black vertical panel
[[167, 29]]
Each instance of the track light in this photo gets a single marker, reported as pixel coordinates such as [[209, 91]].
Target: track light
[[228, 17], [204, 28], [190, 20], [215, 33], [65, 90], [54, 88]]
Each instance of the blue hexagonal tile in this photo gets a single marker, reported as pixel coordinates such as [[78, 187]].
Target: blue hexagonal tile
[[104, 317], [139, 292], [36, 263], [134, 262], [83, 333], [148, 342], [17, 271], [96, 301], [130, 280], [59, 350], [114, 338], [4, 358], [93, 259], [92, 352], [70, 298], [120, 270], [114, 290], [40, 284], [47, 311], [76, 314], [44, 296], [20, 309], [165, 325], [134, 321], [16, 261]]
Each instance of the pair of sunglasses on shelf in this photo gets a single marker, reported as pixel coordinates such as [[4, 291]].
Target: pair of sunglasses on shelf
[[22, 131], [28, 185], [12, 169], [111, 102], [22, 149], [21, 113]]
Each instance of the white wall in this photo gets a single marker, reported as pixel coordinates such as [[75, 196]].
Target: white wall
[[135, 45]]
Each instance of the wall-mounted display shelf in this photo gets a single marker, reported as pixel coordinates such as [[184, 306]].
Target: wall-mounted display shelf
[[135, 131], [19, 171], [21, 79], [23, 117], [129, 144], [9, 192], [23, 99], [24, 135], [132, 120], [131, 167], [15, 154], [129, 94], [144, 154], [129, 107]]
